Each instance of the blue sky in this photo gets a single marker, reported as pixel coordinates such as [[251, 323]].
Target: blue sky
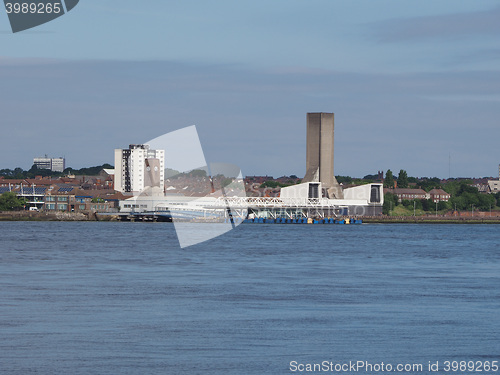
[[411, 83]]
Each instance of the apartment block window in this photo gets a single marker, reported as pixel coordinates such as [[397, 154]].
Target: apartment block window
[[62, 207], [50, 206], [50, 198], [62, 199], [82, 207]]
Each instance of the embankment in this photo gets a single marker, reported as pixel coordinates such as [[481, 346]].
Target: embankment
[[44, 216], [430, 220]]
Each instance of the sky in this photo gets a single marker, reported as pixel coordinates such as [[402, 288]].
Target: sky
[[413, 85]]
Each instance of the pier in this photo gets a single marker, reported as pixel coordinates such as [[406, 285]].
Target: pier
[[222, 209]]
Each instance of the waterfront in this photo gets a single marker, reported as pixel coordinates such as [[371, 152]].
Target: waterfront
[[88, 297]]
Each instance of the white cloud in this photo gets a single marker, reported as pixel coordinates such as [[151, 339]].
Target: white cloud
[[450, 26]]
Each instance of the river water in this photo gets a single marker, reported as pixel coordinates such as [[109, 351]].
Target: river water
[[124, 298]]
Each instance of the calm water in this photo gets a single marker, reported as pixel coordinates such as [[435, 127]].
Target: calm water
[[123, 298]]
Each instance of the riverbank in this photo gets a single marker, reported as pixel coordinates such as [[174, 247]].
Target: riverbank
[[53, 216], [430, 220], [78, 216]]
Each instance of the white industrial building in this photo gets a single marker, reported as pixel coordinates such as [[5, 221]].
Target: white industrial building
[[296, 201], [357, 201], [139, 169], [319, 196]]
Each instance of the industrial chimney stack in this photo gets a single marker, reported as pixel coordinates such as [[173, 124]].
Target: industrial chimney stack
[[320, 137]]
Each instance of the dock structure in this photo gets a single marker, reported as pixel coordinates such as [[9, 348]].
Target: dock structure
[[285, 208], [318, 196], [210, 209]]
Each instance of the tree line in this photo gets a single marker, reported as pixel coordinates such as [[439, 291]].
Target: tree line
[[19, 173], [10, 201], [464, 196]]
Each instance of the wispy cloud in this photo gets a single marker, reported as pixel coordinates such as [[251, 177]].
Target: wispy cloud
[[481, 56], [12, 61], [448, 26]]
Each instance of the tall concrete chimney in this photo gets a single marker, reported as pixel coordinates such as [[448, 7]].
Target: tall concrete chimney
[[320, 137]]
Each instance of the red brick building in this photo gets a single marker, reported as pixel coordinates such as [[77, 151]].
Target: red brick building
[[439, 195], [408, 194]]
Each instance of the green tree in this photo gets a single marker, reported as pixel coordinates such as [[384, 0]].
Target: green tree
[[9, 201], [90, 171], [169, 172], [389, 179], [427, 204], [442, 205], [198, 173], [459, 202], [34, 171], [19, 173], [428, 184], [486, 201], [464, 196], [6, 172], [407, 203], [272, 184], [418, 204], [497, 197], [451, 187], [390, 201], [471, 199], [467, 188], [402, 179], [344, 179]]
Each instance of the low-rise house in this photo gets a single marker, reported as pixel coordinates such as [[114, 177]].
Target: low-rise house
[[33, 195], [408, 194], [259, 179], [87, 203], [72, 199], [494, 186], [483, 188], [439, 195], [12, 183], [56, 202], [94, 182]]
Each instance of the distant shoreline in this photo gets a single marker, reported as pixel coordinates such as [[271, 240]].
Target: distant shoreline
[[53, 216], [431, 220], [72, 216]]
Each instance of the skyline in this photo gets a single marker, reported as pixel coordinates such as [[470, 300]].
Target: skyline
[[404, 96]]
